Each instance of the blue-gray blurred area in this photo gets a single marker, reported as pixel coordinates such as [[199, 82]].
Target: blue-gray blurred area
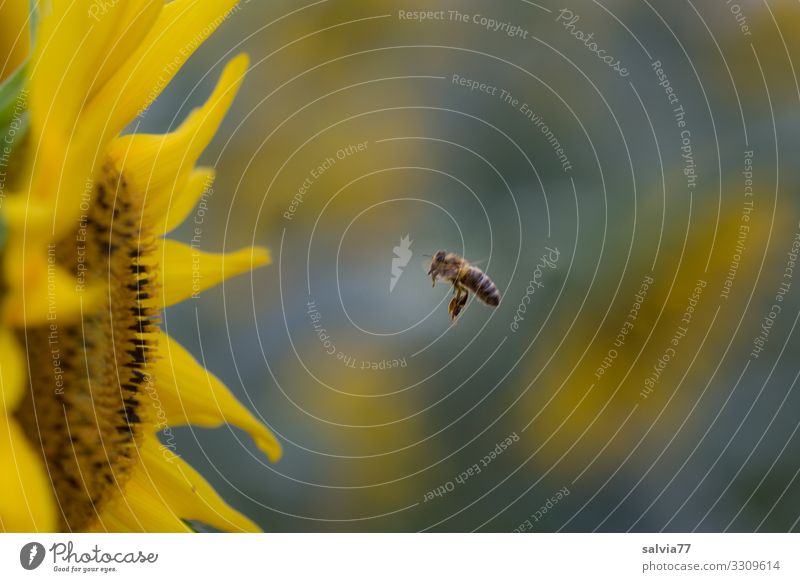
[[625, 171]]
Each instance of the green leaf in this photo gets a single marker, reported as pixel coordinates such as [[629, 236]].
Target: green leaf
[[11, 95], [13, 113]]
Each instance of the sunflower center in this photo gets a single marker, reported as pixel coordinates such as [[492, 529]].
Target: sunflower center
[[90, 379]]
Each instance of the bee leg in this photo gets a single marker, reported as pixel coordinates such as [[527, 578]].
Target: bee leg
[[460, 303], [457, 303], [452, 307], [464, 300]]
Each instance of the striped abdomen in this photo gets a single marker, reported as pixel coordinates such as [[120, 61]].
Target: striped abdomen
[[479, 283]]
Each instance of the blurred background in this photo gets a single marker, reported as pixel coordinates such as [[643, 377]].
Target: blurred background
[[626, 173]]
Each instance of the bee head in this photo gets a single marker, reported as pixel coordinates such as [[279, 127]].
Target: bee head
[[437, 261]]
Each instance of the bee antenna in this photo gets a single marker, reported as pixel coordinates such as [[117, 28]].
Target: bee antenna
[[424, 255]]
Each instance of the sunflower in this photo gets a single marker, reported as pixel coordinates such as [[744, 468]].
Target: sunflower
[[88, 379]]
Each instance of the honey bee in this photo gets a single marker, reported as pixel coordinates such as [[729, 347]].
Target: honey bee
[[465, 278]]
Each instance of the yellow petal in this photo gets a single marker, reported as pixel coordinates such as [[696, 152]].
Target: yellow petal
[[14, 35], [41, 292], [186, 272], [70, 46], [166, 212], [161, 164], [60, 173], [78, 44], [187, 493], [27, 503], [133, 20], [190, 394], [182, 26], [12, 372], [141, 509]]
